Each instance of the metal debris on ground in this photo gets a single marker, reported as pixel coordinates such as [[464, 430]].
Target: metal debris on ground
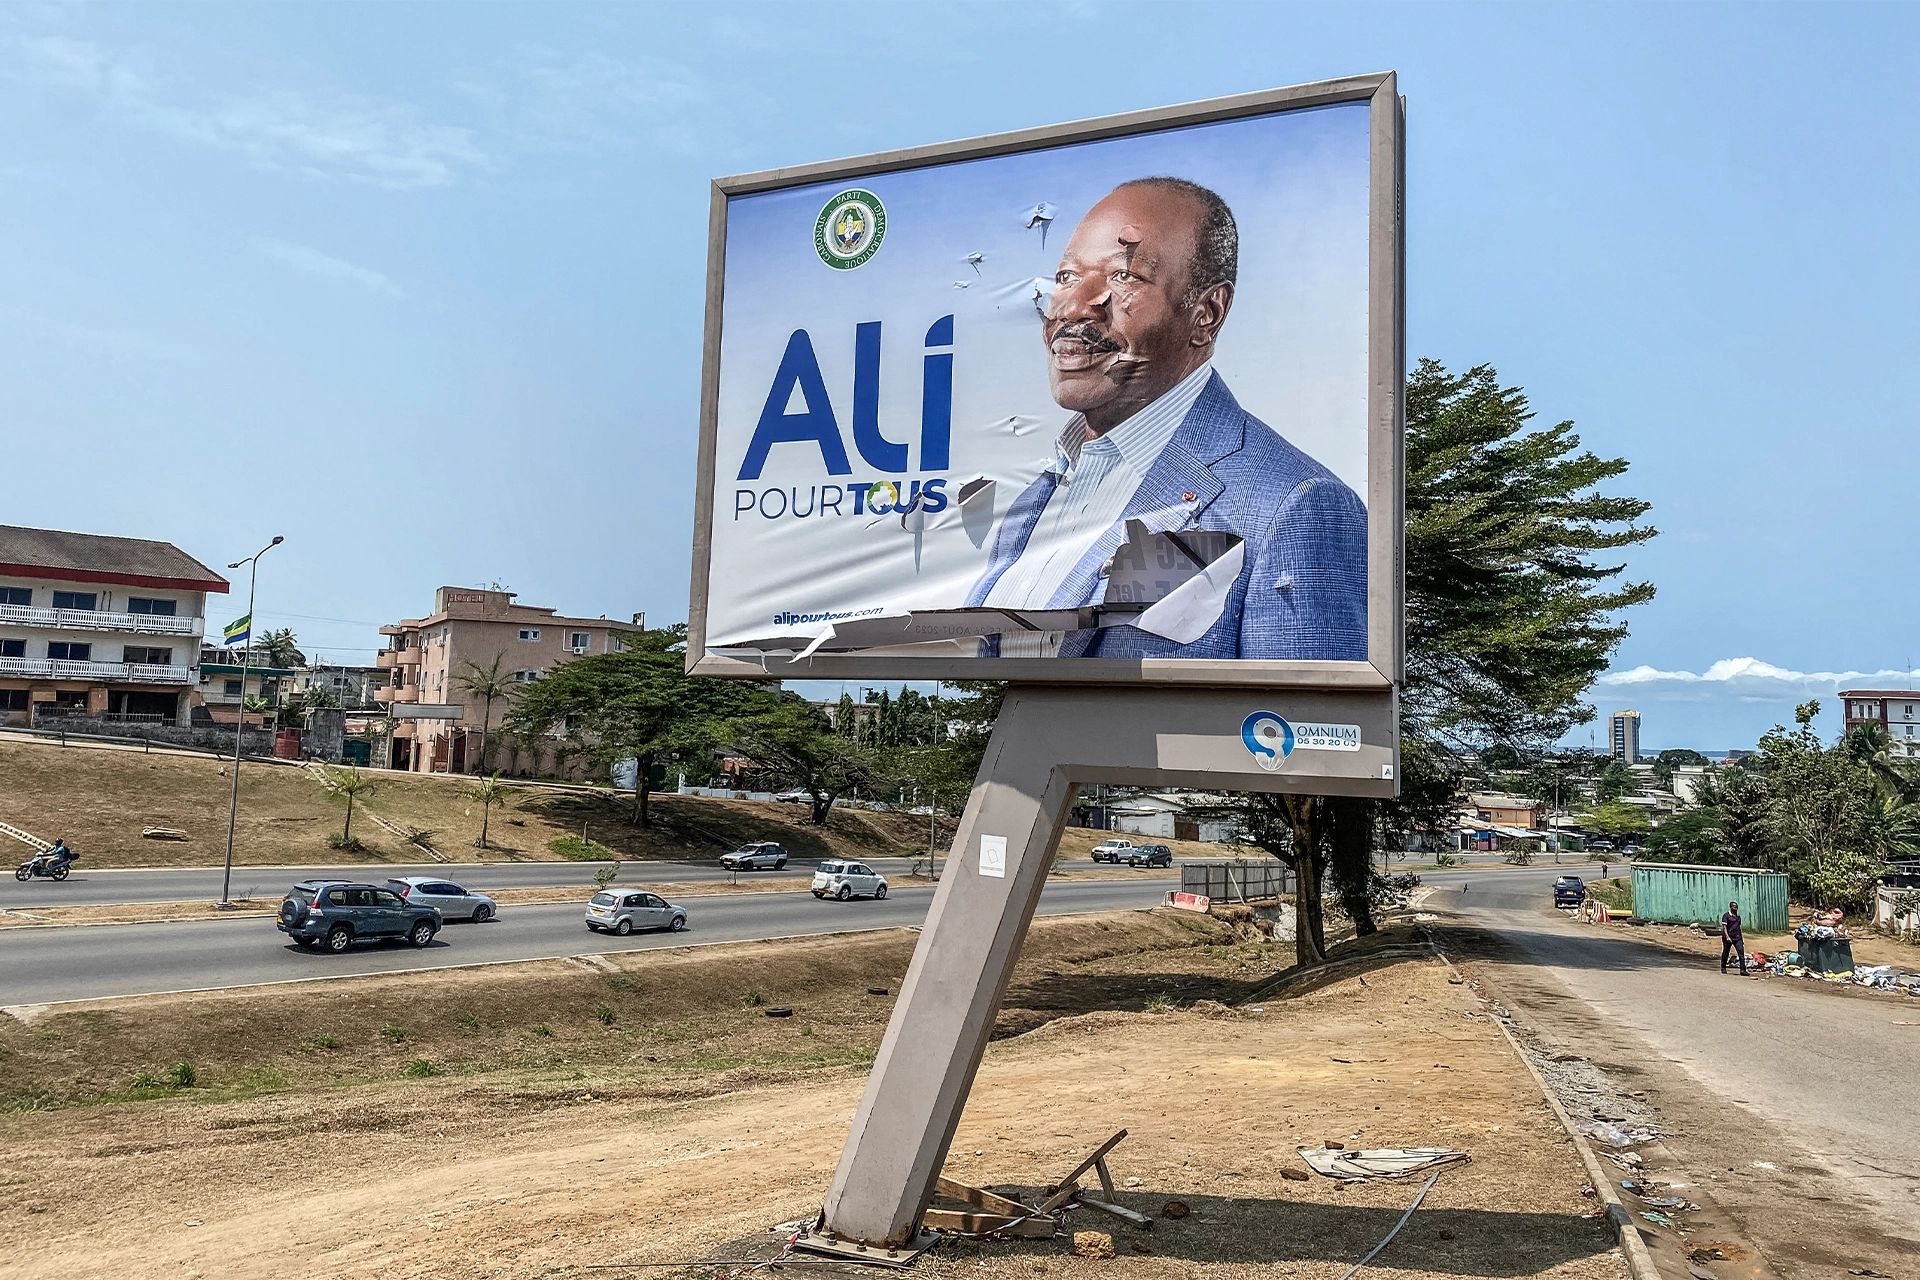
[[1379, 1163], [1658, 1219], [162, 833], [991, 1216]]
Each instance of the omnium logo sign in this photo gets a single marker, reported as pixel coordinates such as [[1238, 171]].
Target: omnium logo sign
[[850, 229], [1270, 738]]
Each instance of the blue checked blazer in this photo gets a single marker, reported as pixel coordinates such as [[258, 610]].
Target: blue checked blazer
[[1303, 591]]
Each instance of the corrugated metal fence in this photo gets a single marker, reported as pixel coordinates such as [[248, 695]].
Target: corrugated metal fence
[[1235, 879], [1679, 894]]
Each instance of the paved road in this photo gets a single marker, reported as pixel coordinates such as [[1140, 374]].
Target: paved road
[[41, 965], [1831, 1069], [89, 887], [96, 886]]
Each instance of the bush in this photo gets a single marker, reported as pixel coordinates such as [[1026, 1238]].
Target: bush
[[1445, 859], [541, 1030], [396, 1034], [419, 1069], [753, 999], [1159, 1002], [578, 850], [323, 1040], [180, 1076], [347, 844], [604, 1012]]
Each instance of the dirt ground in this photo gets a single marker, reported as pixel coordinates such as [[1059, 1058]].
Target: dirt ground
[[538, 1119], [99, 800]]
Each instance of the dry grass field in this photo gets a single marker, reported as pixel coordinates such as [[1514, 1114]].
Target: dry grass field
[[538, 1119], [99, 801]]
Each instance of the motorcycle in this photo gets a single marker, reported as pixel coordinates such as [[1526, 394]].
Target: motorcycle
[[52, 869]]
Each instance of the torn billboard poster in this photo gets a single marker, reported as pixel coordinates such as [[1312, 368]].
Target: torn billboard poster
[[1102, 398]]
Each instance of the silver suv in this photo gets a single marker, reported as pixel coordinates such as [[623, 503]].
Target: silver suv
[[753, 857], [843, 880], [621, 911]]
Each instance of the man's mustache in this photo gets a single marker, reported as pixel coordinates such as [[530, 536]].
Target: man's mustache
[[1086, 334]]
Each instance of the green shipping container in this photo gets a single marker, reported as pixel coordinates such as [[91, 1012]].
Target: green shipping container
[[1675, 893]]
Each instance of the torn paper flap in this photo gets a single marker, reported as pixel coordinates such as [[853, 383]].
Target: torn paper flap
[[1192, 608], [1148, 567]]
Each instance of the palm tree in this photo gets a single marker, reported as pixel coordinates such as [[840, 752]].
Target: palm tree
[[487, 683], [345, 784], [1870, 745], [489, 793], [279, 649]]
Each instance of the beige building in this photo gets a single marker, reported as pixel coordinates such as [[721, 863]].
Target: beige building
[[426, 658], [99, 627]]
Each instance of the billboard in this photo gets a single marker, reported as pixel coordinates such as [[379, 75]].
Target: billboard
[[1115, 401]]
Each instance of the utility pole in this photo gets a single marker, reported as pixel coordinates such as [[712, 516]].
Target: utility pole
[[240, 724]]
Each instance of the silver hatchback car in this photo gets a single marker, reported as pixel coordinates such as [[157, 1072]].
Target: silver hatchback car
[[621, 911]]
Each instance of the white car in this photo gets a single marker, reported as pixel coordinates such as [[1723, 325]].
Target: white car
[[453, 902], [1114, 851], [843, 880]]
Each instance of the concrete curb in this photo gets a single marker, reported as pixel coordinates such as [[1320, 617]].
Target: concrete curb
[[1639, 1259]]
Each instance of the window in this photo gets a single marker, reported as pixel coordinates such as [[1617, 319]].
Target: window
[[336, 897], [13, 700], [616, 643], [387, 898], [635, 900], [529, 633], [579, 641], [69, 651], [158, 608], [13, 648], [526, 677], [232, 689], [74, 599], [16, 595], [147, 654]]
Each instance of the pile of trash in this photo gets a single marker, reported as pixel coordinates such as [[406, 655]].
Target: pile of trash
[[1880, 977], [1616, 1136]]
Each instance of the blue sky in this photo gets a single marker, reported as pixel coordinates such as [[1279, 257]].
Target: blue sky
[[420, 286]]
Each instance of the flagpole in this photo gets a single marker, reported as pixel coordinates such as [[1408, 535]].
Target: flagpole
[[240, 724]]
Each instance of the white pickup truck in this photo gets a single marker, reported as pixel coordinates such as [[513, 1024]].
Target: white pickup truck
[[1114, 851]]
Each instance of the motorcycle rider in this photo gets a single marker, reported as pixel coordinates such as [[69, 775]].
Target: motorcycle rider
[[57, 856]]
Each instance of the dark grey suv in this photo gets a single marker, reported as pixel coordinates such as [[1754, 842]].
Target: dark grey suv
[[335, 914]]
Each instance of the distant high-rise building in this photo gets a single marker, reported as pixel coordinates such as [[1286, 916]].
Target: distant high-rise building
[[1895, 710], [1623, 737]]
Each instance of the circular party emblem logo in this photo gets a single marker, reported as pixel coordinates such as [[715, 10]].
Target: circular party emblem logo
[[850, 229]]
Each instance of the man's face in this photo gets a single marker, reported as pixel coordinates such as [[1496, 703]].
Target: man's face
[[1119, 329]]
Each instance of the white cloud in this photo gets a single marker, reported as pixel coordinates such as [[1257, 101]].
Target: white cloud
[[1746, 680], [316, 263], [333, 136]]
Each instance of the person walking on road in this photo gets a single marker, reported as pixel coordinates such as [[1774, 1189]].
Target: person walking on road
[[1732, 941]]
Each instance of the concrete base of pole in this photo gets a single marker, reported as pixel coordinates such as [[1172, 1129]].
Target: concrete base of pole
[[1050, 740]]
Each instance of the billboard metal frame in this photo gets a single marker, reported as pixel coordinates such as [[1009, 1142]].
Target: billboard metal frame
[[1386, 380]]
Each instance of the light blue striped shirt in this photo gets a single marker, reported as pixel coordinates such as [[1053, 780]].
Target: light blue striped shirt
[[1098, 477]]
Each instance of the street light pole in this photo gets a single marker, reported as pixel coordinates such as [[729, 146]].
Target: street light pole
[[240, 723]]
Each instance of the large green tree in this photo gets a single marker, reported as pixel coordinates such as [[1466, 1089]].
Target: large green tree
[[1512, 612], [639, 703], [792, 739]]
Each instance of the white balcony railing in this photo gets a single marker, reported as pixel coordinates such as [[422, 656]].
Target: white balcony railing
[[121, 672], [149, 624]]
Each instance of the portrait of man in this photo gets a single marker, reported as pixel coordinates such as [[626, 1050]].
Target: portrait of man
[[1142, 292]]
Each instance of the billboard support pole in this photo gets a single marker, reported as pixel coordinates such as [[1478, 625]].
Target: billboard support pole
[[1048, 741]]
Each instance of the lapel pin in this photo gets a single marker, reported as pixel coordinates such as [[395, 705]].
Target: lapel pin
[[1187, 496]]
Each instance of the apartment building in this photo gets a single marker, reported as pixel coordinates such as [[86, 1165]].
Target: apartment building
[[1623, 737], [99, 626], [228, 677], [1895, 710], [425, 659]]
